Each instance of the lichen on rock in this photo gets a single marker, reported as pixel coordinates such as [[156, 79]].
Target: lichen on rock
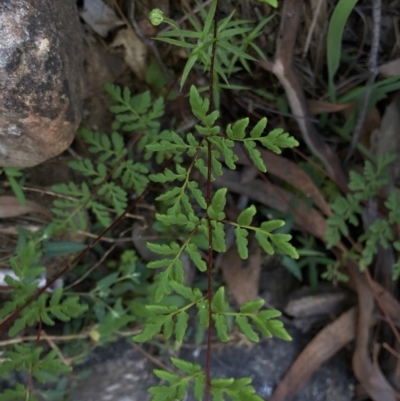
[[41, 63]]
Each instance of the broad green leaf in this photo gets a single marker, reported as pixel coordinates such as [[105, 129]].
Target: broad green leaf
[[155, 264], [225, 147], [218, 236], [252, 306], [195, 257], [16, 394], [192, 140], [199, 387], [222, 383], [172, 219], [261, 326], [218, 201], [178, 43], [263, 240], [272, 225], [104, 284], [278, 139], [19, 323], [150, 331], [259, 128], [162, 393], [168, 176], [196, 101], [281, 242], [293, 267], [163, 286], [197, 194], [209, 20], [56, 297], [182, 390], [181, 326], [219, 304], [161, 309], [202, 313], [238, 129], [216, 164], [15, 186], [277, 329], [221, 327], [163, 249], [185, 366], [246, 216], [183, 290], [168, 327], [167, 376], [268, 314], [242, 242], [211, 118], [396, 268], [334, 40], [255, 155], [246, 328], [170, 194], [272, 3], [200, 165]]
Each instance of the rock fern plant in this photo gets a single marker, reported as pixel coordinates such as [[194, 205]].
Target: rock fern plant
[[183, 200], [348, 211], [187, 203]]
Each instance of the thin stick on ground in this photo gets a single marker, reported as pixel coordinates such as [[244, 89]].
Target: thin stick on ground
[[312, 28], [373, 73], [282, 67]]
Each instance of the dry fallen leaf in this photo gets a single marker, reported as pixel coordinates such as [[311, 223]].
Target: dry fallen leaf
[[288, 171], [371, 124], [101, 18], [135, 51], [308, 218], [317, 106], [305, 303], [101, 66], [242, 276], [391, 68], [322, 347], [387, 138], [10, 207]]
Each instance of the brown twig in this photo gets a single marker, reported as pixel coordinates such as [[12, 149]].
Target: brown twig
[[150, 357], [312, 27], [282, 67], [373, 73], [94, 267], [369, 374], [391, 350]]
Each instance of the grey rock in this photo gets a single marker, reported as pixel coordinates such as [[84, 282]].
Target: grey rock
[[41, 69], [128, 376]]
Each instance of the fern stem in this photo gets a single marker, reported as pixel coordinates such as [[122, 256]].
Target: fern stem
[[210, 239]]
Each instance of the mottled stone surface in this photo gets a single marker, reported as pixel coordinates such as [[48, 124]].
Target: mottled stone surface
[[118, 373], [121, 374], [41, 63]]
